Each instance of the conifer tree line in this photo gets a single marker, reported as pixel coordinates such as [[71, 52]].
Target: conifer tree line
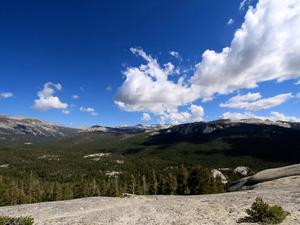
[[179, 181]]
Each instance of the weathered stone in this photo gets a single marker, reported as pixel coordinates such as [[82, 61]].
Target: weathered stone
[[217, 173], [242, 170], [267, 175]]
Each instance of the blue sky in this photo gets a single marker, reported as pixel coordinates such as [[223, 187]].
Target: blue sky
[[88, 48]]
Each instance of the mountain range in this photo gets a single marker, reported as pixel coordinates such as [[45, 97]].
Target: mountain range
[[265, 139], [13, 128]]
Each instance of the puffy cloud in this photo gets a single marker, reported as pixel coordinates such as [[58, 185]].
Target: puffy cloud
[[244, 4], [298, 82], [266, 47], [66, 111], [253, 101], [230, 21], [195, 113], [237, 116], [89, 110], [147, 88], [175, 54], [6, 95], [75, 97], [247, 97], [274, 116], [46, 99], [146, 117], [109, 88]]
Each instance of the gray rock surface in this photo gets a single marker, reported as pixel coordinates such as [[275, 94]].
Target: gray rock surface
[[242, 170], [217, 173], [271, 174], [218, 209], [266, 175]]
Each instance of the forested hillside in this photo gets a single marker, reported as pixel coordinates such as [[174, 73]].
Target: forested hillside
[[172, 160]]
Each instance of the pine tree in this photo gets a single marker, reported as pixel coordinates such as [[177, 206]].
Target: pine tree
[[67, 191], [168, 186], [116, 186], [145, 185], [32, 189], [57, 192], [218, 185], [132, 185], [13, 193], [161, 185], [182, 177], [173, 183], [94, 189], [2, 191], [194, 182], [78, 189], [153, 184], [201, 181]]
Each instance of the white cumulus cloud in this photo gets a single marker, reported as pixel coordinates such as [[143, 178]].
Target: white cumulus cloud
[[147, 88], [266, 47], [254, 101], [175, 54], [46, 99], [195, 113], [89, 110], [274, 116], [230, 21], [75, 97], [6, 95], [146, 117], [244, 4]]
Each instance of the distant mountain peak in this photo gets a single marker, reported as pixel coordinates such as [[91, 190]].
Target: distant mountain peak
[[263, 122], [23, 129]]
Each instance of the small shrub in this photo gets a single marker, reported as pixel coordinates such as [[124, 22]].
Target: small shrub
[[5, 220], [262, 212]]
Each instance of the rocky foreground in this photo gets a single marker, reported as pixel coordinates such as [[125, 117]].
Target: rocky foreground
[[227, 208]]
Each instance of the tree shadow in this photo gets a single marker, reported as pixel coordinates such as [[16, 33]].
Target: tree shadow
[[246, 219]]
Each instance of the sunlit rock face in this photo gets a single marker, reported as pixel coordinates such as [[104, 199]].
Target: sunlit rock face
[[25, 130]]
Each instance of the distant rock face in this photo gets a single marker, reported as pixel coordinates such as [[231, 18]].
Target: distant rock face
[[4, 166], [216, 173], [95, 128], [223, 124], [137, 129], [97, 156], [242, 170], [208, 130], [50, 157], [112, 173], [25, 129], [256, 121], [266, 175]]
